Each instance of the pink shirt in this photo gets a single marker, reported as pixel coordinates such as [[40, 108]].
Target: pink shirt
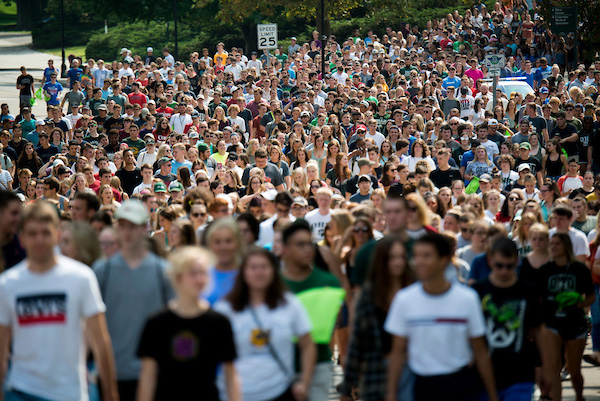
[[474, 74]]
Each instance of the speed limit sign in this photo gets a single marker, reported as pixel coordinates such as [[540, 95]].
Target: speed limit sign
[[267, 36]]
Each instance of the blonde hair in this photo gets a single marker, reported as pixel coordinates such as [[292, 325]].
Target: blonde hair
[[423, 211], [183, 258]]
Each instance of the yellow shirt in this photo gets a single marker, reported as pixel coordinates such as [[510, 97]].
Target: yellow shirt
[[223, 59]]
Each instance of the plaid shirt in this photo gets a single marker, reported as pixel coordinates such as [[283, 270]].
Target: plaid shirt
[[365, 363]]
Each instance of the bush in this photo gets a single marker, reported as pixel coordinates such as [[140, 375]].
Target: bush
[[47, 35]]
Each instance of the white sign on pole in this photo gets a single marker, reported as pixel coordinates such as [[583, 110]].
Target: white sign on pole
[[495, 61], [267, 36], [494, 72]]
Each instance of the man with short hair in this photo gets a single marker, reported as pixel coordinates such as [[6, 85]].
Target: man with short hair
[[48, 300], [563, 216], [179, 159], [26, 87], [129, 174], [272, 173], [321, 216], [444, 175], [84, 206], [179, 120], [134, 142], [282, 203], [11, 251], [515, 335], [298, 273], [434, 309], [51, 189], [567, 133], [582, 221], [137, 278]]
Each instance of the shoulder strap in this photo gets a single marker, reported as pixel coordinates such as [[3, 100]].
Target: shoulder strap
[[161, 282], [104, 283], [269, 345]]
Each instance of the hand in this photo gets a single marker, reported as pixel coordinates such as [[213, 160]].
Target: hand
[[299, 391]]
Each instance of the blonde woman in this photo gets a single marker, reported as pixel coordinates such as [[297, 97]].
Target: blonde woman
[[107, 197], [480, 165], [300, 182]]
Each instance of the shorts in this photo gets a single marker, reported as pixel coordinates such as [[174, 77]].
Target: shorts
[[568, 333], [463, 385], [342, 319]]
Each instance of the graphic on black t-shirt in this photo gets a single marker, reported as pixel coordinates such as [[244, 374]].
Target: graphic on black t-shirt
[[42, 309], [185, 346], [504, 323]]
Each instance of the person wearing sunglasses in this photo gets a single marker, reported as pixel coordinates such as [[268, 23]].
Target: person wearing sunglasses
[[513, 318]]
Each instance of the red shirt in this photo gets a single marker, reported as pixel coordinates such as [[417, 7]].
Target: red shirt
[[187, 127], [167, 111], [138, 98]]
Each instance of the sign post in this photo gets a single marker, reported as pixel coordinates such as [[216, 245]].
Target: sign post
[[267, 39], [563, 22], [494, 63]]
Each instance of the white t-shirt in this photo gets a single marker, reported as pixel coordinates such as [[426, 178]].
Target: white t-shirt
[[438, 327], [378, 138], [317, 223], [581, 246], [260, 374], [141, 187], [46, 313]]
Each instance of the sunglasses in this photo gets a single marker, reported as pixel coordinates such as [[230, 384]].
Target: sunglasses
[[198, 214], [513, 199], [359, 229]]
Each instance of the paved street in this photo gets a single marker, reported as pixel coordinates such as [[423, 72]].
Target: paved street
[[14, 53]]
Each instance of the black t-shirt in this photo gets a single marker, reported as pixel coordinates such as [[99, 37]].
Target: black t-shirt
[[352, 184], [510, 313], [129, 179], [554, 280], [567, 131], [26, 81], [583, 142], [188, 352], [45, 154], [533, 163], [444, 178], [113, 123]]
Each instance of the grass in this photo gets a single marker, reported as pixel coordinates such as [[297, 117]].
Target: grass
[[76, 50], [8, 14]]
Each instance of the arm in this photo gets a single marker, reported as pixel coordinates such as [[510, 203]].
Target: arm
[[308, 356], [540, 179], [322, 173], [147, 384], [288, 181], [280, 187], [5, 339], [396, 362], [97, 333], [484, 366], [231, 382], [589, 154], [545, 134]]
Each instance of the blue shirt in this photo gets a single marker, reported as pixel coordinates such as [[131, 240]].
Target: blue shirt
[[542, 73], [74, 75], [177, 165], [221, 282], [529, 77], [451, 82], [54, 90], [479, 268]]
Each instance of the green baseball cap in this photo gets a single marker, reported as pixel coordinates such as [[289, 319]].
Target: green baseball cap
[[160, 187], [202, 147]]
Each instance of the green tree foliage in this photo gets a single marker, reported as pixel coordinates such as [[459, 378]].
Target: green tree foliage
[[589, 27]]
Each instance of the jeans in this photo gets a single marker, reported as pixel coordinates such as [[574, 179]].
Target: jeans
[[16, 395], [595, 309], [321, 382], [406, 387], [516, 392]]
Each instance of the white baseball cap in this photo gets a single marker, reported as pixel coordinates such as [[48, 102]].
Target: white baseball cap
[[133, 211]]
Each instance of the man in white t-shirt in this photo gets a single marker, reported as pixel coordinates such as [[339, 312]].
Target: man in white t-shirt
[[438, 326], [319, 217], [563, 217], [373, 134], [45, 301]]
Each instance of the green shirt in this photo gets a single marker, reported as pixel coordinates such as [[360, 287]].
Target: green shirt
[[317, 278], [135, 146], [588, 225]]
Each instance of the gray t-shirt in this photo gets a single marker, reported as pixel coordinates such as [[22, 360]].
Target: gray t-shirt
[[131, 297], [75, 98]]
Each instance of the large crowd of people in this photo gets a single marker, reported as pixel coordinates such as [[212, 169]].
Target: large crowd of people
[[231, 226]]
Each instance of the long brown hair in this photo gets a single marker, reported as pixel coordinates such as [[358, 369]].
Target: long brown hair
[[380, 280], [239, 297]]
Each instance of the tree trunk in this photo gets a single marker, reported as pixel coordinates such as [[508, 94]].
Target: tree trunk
[[323, 30], [29, 13], [249, 31]]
